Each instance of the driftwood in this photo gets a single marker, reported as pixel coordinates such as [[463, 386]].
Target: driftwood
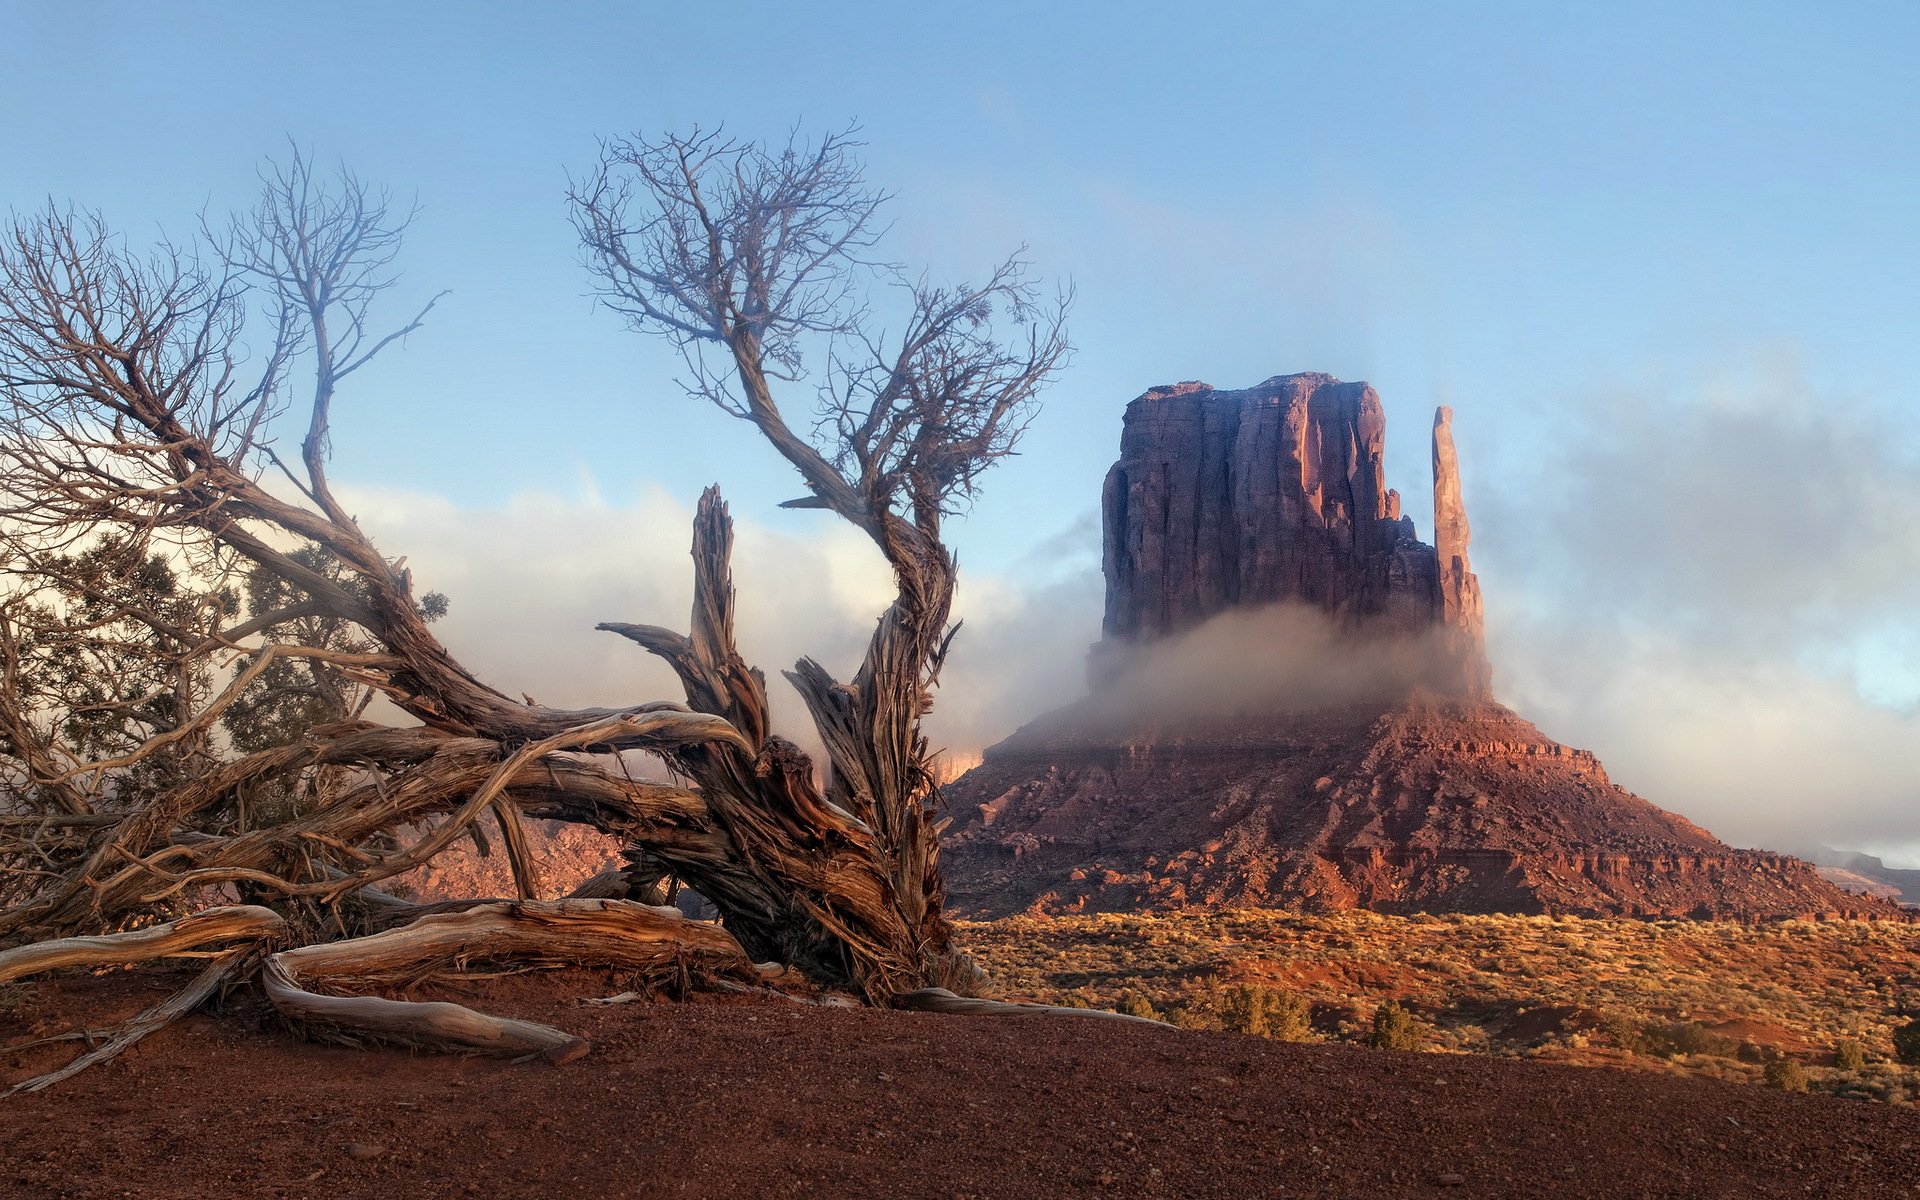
[[940, 1000], [664, 948], [219, 972], [214, 926]]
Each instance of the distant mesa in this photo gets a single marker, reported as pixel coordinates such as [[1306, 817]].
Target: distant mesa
[[1854, 871], [1291, 707]]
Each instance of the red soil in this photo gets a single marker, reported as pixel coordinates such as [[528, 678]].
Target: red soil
[[761, 1098]]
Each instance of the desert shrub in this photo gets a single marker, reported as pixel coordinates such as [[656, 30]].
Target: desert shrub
[[1626, 1033], [1849, 1055], [1193, 1016], [1262, 1011], [1393, 1029], [1787, 1075], [1289, 1018], [1133, 1004], [1671, 1039], [1906, 1044]]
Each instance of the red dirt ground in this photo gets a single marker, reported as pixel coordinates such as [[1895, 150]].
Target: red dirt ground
[[767, 1099]]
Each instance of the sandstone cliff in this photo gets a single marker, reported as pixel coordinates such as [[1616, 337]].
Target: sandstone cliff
[[1236, 499], [1417, 793]]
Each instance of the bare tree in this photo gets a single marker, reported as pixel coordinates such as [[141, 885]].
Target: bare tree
[[743, 255], [134, 418]]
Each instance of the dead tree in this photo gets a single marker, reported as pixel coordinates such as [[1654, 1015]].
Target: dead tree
[[132, 417]]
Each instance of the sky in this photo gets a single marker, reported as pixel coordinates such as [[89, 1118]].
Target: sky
[[1660, 258]]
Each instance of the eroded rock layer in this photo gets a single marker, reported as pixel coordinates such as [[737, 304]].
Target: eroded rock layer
[[1428, 796], [1277, 493], [1435, 804]]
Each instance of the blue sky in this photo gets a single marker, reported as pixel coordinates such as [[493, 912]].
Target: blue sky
[[1542, 214]]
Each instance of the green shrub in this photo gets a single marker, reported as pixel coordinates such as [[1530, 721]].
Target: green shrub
[[1393, 1029], [1133, 1004], [1265, 1012], [1671, 1039], [1849, 1055], [1906, 1044], [1785, 1074], [1626, 1033], [1289, 1018], [1193, 1016]]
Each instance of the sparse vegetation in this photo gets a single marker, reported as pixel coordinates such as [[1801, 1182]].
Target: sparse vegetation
[[1262, 1011], [1786, 1074], [1393, 1029], [1717, 999]]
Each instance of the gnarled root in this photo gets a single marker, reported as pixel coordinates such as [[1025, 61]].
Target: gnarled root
[[237, 922], [666, 948], [940, 1000], [244, 922], [161, 1015]]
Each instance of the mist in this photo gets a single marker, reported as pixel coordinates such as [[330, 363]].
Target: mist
[[1282, 658], [1713, 587]]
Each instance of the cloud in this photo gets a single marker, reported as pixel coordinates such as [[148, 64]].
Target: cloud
[[1716, 587], [530, 580], [1278, 658]]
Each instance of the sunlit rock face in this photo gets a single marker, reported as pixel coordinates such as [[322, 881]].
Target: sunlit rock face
[[1291, 707], [1277, 493]]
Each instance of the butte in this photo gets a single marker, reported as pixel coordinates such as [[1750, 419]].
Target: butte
[[1291, 707]]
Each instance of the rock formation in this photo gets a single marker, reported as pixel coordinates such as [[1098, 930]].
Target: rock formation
[[1424, 795], [1236, 499]]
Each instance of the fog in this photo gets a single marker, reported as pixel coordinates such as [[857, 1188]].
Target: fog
[[1718, 589], [1713, 588]]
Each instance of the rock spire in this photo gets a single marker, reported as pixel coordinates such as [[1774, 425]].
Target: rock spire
[[1237, 499], [1457, 599], [1429, 798]]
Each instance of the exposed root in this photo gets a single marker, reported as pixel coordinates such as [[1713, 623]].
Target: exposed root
[[940, 1000], [666, 948], [239, 922], [165, 1013]]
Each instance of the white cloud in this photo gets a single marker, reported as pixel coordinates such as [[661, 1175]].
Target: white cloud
[[1714, 588], [528, 583]]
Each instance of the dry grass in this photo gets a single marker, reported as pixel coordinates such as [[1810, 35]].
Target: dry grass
[[1711, 998]]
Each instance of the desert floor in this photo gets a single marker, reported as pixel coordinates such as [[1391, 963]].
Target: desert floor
[[764, 1098]]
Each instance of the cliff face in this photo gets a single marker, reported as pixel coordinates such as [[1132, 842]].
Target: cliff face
[[1426, 796], [1236, 499]]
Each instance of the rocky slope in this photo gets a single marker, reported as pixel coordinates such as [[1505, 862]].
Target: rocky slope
[[1403, 788], [1439, 803], [1865, 873]]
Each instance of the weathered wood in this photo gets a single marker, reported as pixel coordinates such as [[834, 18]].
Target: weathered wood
[[940, 1000], [665, 948], [213, 926], [218, 972]]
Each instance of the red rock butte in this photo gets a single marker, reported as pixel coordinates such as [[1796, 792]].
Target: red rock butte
[[1427, 796]]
